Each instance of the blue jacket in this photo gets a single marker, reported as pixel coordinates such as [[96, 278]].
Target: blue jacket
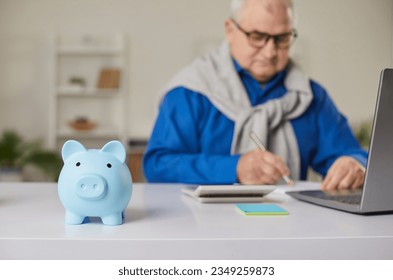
[[191, 139]]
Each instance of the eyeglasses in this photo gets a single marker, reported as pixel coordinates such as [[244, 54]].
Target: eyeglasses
[[259, 39]]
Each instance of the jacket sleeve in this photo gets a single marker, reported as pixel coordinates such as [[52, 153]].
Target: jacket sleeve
[[334, 135], [173, 153]]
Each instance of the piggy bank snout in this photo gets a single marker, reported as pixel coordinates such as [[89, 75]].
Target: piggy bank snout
[[91, 187]]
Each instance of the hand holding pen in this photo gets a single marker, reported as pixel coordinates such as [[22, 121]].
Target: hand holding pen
[[260, 145], [261, 166]]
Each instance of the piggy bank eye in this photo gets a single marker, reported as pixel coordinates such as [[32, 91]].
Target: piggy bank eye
[[109, 165], [78, 163]]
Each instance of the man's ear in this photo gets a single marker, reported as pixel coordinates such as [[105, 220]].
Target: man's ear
[[229, 30]]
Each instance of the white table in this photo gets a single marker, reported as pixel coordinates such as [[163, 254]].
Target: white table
[[161, 223]]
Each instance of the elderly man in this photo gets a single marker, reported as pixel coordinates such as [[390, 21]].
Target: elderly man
[[248, 83]]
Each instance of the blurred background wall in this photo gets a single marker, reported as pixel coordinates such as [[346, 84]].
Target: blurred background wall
[[342, 44]]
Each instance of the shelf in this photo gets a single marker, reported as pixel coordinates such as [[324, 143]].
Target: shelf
[[82, 50], [102, 133], [67, 91], [90, 81]]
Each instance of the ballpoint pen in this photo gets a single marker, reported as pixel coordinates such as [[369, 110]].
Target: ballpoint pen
[[259, 144]]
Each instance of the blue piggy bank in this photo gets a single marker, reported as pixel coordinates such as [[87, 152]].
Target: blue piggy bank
[[94, 183]]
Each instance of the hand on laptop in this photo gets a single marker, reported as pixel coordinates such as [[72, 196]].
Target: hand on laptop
[[345, 173]]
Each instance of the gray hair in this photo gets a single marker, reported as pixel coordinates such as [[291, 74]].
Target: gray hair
[[237, 7]]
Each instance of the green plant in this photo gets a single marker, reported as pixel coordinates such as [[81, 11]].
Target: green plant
[[363, 133], [15, 153]]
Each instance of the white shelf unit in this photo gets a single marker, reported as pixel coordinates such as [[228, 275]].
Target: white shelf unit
[[82, 58]]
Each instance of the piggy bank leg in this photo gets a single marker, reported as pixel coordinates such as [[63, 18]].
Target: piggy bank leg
[[113, 219], [73, 219]]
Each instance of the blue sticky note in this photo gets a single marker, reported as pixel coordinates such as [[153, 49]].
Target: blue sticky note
[[261, 209]]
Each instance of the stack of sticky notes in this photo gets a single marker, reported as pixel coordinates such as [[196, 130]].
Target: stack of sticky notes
[[254, 209]]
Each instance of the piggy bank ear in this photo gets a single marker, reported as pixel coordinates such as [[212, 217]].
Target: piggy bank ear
[[71, 147], [115, 148]]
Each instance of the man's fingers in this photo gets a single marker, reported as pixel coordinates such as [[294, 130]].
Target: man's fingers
[[260, 167], [277, 163], [347, 181], [345, 173]]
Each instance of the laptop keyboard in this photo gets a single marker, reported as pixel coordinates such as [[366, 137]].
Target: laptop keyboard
[[348, 197]]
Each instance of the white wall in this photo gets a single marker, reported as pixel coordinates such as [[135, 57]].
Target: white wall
[[343, 44]]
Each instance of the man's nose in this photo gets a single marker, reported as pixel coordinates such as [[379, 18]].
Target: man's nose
[[270, 49]]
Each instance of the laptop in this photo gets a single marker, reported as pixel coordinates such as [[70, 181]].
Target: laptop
[[376, 196]]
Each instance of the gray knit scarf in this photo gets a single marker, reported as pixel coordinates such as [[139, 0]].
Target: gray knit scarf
[[215, 76]]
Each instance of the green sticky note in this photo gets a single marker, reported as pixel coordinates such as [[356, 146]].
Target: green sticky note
[[261, 209]]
